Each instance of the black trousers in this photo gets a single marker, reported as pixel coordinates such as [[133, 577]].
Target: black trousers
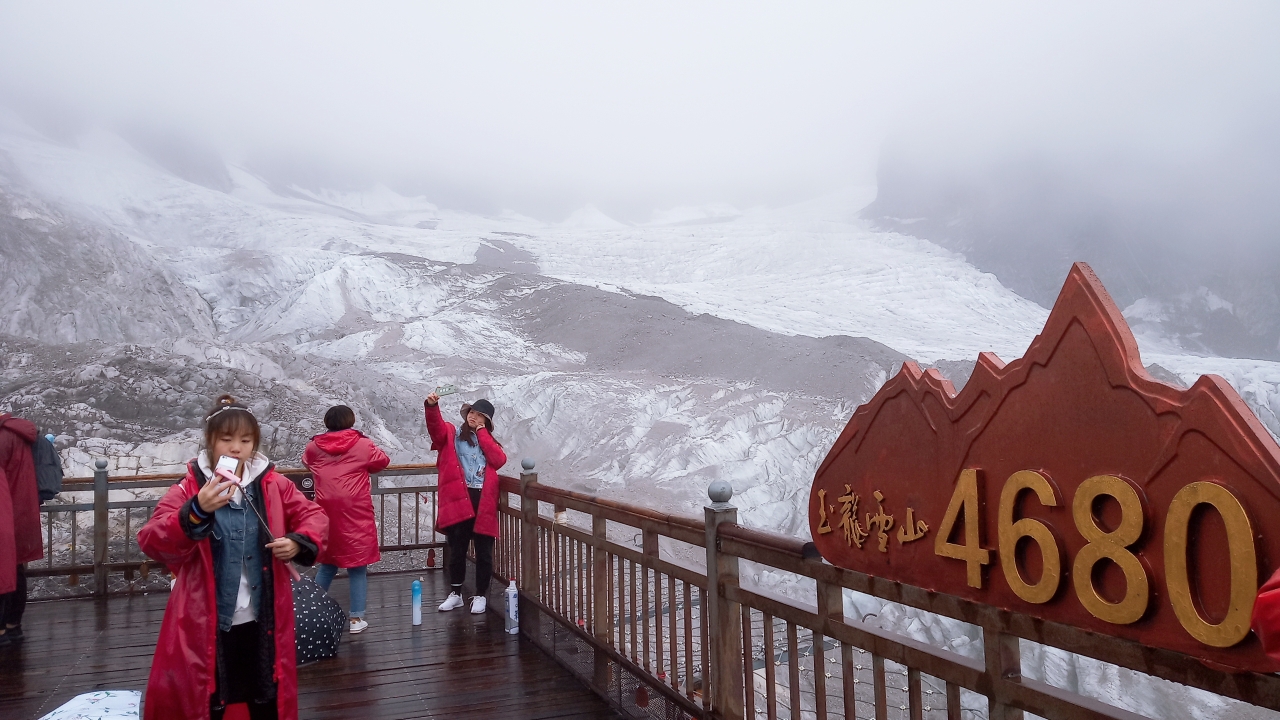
[[457, 538], [240, 652], [13, 604], [257, 711]]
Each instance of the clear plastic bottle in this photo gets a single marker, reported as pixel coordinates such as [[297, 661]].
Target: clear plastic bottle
[[513, 608], [417, 601]]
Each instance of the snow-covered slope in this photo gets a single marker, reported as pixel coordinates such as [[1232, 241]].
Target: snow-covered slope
[[68, 281], [825, 279]]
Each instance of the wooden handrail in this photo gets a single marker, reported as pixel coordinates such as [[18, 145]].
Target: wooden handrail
[[561, 551], [677, 527], [101, 485], [391, 470]]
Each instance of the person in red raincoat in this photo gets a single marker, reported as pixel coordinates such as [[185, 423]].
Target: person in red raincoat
[[341, 461], [1266, 617], [20, 538], [467, 464], [228, 630]]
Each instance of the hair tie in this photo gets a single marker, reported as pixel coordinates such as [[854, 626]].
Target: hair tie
[[228, 406]]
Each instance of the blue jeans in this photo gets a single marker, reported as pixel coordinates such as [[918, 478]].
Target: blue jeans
[[359, 578]]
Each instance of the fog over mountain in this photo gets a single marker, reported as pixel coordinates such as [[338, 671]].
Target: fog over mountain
[[1189, 247]]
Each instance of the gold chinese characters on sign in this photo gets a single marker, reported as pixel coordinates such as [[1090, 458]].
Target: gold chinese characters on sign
[[881, 522]]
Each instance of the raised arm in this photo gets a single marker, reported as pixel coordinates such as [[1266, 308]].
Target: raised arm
[[437, 427]]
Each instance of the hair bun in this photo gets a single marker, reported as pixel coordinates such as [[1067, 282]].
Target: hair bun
[[227, 400]]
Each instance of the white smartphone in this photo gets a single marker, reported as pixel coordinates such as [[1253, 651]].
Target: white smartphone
[[446, 390], [229, 465]]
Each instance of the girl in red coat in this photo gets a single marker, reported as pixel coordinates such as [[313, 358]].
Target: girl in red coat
[[227, 635], [467, 464], [341, 461]]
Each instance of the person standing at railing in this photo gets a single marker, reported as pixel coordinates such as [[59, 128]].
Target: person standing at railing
[[467, 464], [228, 630], [20, 540], [341, 460]]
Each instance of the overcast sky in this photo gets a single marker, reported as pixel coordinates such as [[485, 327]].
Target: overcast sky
[[543, 107]]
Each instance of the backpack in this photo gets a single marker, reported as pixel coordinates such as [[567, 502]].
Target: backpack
[[48, 468]]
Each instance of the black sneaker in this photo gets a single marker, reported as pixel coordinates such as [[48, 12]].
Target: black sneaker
[[14, 634]]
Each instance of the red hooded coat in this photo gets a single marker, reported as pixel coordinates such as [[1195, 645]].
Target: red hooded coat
[[20, 511], [341, 462], [454, 502], [183, 674], [1266, 617]]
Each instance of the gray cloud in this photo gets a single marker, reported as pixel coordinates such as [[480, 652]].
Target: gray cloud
[[542, 108]]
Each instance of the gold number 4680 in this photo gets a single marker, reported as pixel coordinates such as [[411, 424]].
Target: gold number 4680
[[1113, 545]]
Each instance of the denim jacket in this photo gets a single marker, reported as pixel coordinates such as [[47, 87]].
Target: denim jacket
[[237, 540], [471, 459], [237, 551]]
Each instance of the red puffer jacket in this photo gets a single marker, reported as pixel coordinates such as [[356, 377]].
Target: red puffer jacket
[[341, 462], [20, 510], [183, 673], [454, 502]]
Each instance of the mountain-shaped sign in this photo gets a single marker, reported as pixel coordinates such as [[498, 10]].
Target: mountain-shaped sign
[[1067, 485]]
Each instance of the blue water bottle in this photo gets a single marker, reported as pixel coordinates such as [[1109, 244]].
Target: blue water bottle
[[417, 601]]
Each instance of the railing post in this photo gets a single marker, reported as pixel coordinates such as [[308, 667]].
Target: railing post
[[100, 529], [831, 613], [602, 619], [1004, 664], [529, 579], [724, 624]]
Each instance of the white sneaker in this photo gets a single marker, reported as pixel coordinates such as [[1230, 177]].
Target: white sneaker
[[478, 604], [453, 601], [358, 624]]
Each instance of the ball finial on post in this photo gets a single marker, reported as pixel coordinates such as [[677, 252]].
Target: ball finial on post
[[528, 464], [100, 463], [720, 492]]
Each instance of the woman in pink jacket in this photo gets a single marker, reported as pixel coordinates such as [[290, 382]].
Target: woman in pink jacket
[[467, 463], [341, 461]]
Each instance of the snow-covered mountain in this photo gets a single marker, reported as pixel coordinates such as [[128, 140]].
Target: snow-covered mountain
[[640, 362]]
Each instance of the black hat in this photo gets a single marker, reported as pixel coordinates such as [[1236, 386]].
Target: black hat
[[482, 406]]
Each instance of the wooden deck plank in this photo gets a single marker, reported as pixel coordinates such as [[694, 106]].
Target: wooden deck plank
[[454, 665]]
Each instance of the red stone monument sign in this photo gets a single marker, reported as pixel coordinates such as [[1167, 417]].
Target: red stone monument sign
[[1067, 485]]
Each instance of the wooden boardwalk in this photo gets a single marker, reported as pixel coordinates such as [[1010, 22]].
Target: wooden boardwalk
[[454, 665]]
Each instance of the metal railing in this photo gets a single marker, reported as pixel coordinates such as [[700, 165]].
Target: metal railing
[[91, 528], [650, 633]]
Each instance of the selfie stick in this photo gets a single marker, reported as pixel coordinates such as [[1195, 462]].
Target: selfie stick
[[227, 475]]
